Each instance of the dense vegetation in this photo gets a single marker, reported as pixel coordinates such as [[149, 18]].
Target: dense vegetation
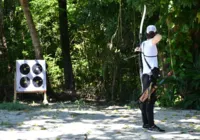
[[101, 35]]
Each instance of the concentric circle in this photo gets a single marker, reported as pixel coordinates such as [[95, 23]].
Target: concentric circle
[[24, 82], [37, 69], [37, 81], [24, 69]]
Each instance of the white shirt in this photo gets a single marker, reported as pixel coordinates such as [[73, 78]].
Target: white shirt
[[149, 50]]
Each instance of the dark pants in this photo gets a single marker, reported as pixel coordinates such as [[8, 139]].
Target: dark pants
[[147, 108]]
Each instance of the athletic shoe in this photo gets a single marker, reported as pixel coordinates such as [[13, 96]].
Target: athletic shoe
[[145, 126], [156, 129]]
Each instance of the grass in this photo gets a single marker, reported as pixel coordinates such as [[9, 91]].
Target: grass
[[13, 106]]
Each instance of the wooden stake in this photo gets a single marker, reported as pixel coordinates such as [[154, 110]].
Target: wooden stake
[[15, 92]]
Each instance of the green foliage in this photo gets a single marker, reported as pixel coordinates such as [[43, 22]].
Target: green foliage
[[45, 14], [184, 89], [55, 73], [104, 33], [80, 103]]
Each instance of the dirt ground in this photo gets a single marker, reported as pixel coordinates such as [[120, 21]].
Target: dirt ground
[[66, 121]]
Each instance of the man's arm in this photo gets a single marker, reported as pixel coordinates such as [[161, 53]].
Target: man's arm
[[156, 39]]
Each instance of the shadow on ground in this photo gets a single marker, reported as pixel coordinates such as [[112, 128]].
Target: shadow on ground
[[74, 121]]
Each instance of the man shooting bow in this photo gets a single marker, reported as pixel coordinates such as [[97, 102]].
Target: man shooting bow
[[149, 54]]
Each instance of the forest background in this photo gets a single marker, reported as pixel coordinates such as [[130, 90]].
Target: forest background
[[89, 46]]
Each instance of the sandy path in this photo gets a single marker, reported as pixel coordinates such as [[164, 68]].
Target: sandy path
[[70, 122]]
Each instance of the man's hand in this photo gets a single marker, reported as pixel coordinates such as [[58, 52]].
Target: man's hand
[[137, 49]]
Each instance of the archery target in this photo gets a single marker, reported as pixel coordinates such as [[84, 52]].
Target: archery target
[[30, 76]]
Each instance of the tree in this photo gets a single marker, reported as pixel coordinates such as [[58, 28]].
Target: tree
[[65, 45], [3, 45], [1, 26], [33, 32]]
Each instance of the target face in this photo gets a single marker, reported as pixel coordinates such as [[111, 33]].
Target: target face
[[30, 76], [37, 69], [37, 81], [25, 82], [24, 69]]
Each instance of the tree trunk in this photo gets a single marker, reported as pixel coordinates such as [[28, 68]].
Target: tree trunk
[[1, 28], [3, 45], [113, 83], [33, 32], [65, 45], [35, 39]]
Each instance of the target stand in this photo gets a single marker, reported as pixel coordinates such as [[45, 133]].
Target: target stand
[[30, 77]]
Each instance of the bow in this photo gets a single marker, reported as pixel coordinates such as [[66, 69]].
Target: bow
[[141, 24], [140, 39]]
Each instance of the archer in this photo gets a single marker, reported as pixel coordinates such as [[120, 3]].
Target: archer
[[150, 73]]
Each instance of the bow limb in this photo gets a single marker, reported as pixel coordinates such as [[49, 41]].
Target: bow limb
[[141, 24], [140, 39]]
